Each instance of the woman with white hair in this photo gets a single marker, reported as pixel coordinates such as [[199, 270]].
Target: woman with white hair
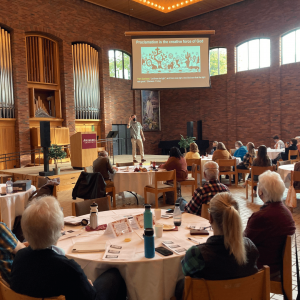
[[269, 227], [226, 254], [42, 271]]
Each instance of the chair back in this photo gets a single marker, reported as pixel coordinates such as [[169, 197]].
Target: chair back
[[283, 162], [293, 153], [89, 169], [259, 170], [41, 181], [83, 207], [125, 164], [276, 286], [196, 169], [204, 211], [190, 162], [226, 162], [157, 163], [295, 176], [254, 287], [232, 151], [7, 294], [165, 176]]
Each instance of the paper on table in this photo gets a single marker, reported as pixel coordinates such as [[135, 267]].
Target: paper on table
[[70, 233], [177, 246], [75, 220], [116, 252], [119, 227]]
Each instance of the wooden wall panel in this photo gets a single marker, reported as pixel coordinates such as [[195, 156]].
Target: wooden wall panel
[[7, 145]]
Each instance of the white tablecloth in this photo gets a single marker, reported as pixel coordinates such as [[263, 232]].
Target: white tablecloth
[[284, 171], [146, 279], [273, 153], [13, 205]]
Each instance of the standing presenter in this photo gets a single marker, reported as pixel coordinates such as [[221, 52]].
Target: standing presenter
[[137, 137]]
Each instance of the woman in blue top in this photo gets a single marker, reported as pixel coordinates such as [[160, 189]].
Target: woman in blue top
[[240, 151]]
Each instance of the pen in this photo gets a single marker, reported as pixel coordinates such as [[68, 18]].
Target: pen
[[195, 241]]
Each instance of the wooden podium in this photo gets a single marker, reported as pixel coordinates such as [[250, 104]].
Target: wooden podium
[[83, 149]]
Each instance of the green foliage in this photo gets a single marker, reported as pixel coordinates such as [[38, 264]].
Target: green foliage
[[214, 56], [119, 64], [185, 142], [56, 152]]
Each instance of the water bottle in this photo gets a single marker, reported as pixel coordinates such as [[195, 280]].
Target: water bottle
[[94, 216], [9, 186], [148, 217], [149, 243], [177, 215]]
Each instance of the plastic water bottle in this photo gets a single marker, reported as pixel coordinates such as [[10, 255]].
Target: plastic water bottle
[[149, 243], [148, 217], [94, 216], [177, 215], [9, 186]]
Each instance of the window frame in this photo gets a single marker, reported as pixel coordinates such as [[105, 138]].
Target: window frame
[[213, 48], [237, 54], [115, 64], [281, 46]]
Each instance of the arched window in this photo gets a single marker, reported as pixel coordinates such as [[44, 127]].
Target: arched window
[[6, 80], [218, 61], [119, 64], [86, 81], [290, 46], [254, 54]]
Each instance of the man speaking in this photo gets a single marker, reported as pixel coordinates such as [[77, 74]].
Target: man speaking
[[136, 134]]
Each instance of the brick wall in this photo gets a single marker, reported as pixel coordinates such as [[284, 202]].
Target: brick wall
[[69, 21], [252, 105], [247, 106]]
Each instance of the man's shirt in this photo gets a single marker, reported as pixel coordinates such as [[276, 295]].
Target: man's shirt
[[135, 130], [203, 195], [8, 243]]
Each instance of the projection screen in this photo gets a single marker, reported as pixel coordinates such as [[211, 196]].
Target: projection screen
[[162, 63]]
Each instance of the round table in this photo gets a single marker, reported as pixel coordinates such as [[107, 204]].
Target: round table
[[284, 171], [146, 279], [13, 205]]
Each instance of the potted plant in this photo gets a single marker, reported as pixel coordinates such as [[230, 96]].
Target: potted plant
[[185, 142], [56, 152]]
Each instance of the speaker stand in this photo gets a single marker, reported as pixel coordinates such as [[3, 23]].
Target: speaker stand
[[46, 163]]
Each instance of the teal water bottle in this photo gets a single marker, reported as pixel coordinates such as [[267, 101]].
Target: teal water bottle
[[147, 216], [149, 243]]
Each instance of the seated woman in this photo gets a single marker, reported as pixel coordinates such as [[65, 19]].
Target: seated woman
[[240, 151], [262, 160], [222, 153], [192, 154], [176, 162], [226, 254], [250, 155], [292, 145], [268, 227], [42, 270]]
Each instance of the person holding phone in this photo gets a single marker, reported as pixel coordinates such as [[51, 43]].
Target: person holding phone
[[137, 137]]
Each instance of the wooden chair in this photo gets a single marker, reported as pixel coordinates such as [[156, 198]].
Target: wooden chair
[[276, 286], [295, 176], [228, 163], [192, 181], [83, 207], [256, 171], [190, 162], [125, 164], [204, 211], [294, 153], [7, 294], [158, 187], [254, 287], [157, 163]]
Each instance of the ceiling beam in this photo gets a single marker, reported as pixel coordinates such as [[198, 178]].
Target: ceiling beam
[[169, 33]]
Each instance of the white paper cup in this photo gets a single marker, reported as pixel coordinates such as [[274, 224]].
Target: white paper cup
[[3, 190], [157, 213], [127, 168], [159, 230]]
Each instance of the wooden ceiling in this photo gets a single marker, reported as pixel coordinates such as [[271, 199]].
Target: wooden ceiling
[[144, 10]]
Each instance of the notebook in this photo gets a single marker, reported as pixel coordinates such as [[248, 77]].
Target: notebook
[[88, 247]]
